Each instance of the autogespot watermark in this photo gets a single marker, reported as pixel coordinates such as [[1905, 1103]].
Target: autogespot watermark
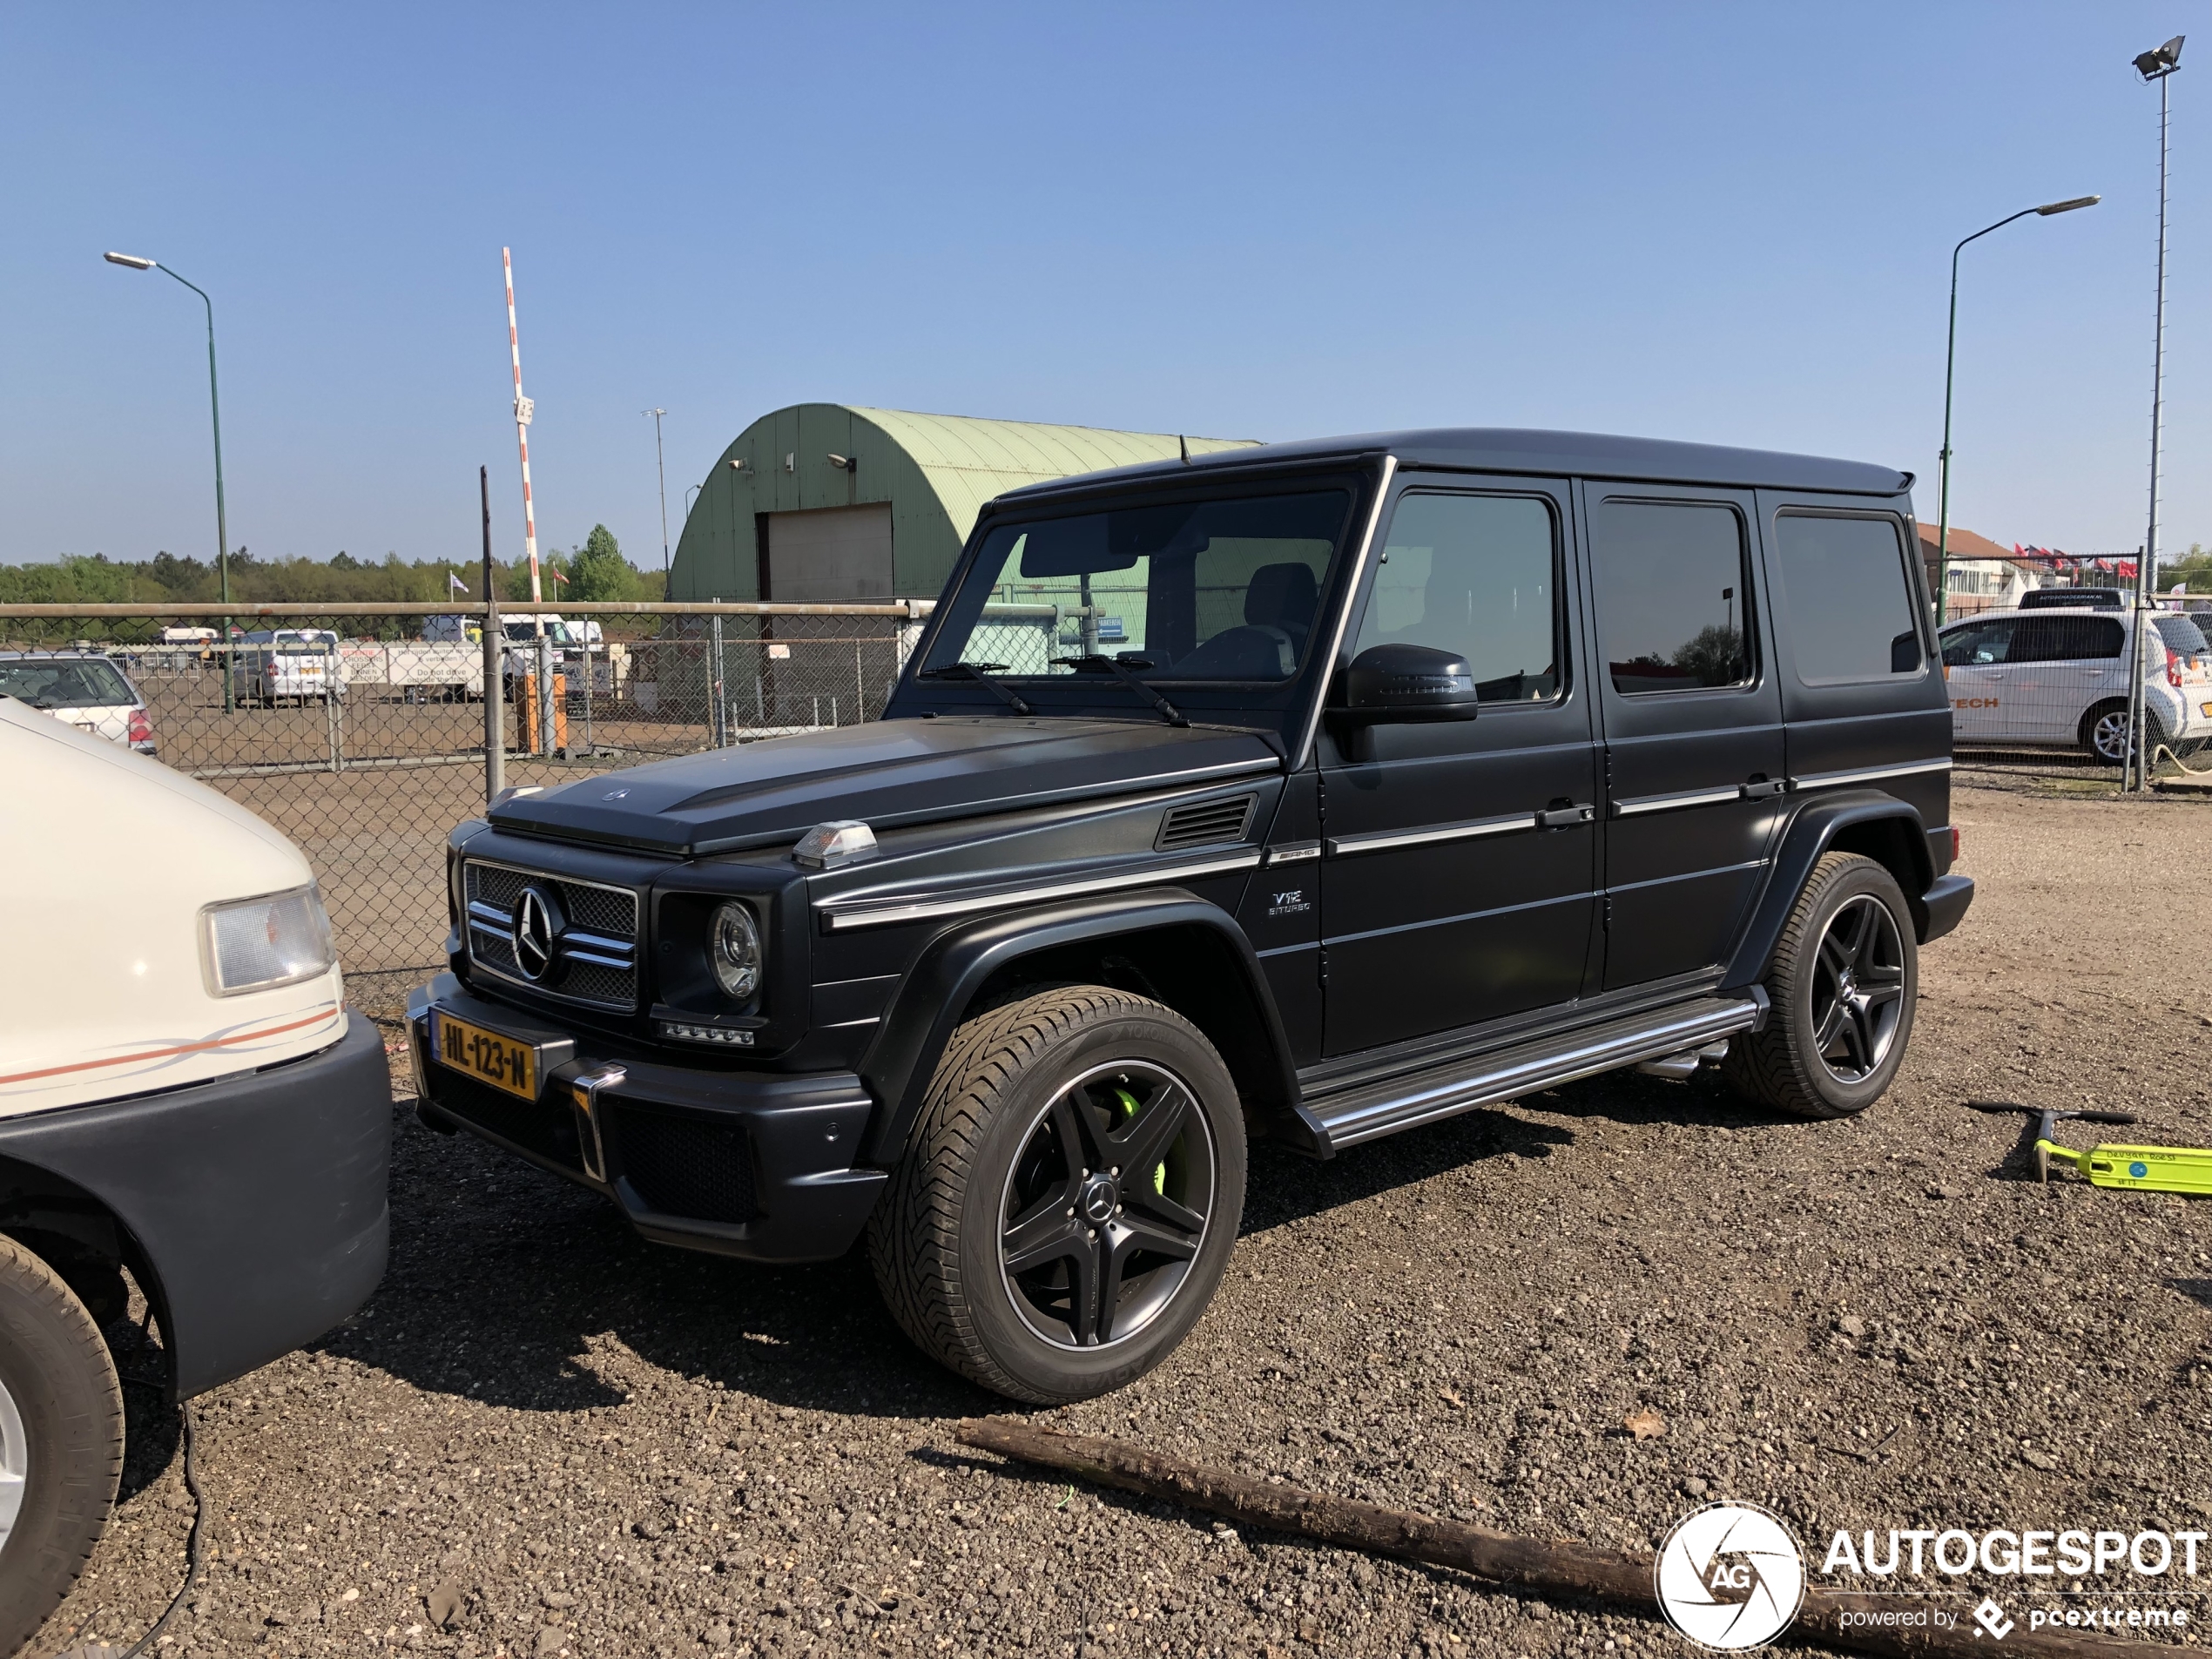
[[1731, 1576]]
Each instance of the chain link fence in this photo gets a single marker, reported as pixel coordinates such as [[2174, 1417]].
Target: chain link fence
[[2044, 695], [363, 735]]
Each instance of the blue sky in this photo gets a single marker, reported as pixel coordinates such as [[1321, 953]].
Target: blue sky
[[1724, 223]]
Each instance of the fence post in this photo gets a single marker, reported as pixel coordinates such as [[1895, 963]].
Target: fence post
[[494, 666], [591, 744], [331, 712], [544, 709], [717, 713]]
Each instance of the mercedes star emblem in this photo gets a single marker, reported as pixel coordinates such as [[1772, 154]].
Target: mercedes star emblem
[[536, 930]]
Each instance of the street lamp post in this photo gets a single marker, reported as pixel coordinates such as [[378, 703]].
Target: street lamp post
[[215, 405], [1950, 363], [2135, 764], [660, 462]]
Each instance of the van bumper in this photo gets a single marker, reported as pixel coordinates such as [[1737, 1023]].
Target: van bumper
[[1945, 904], [258, 1202], [755, 1164]]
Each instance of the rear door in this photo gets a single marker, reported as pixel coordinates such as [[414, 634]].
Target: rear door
[[1692, 723], [2062, 664]]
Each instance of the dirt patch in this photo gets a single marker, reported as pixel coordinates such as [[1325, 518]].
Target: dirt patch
[[570, 1440]]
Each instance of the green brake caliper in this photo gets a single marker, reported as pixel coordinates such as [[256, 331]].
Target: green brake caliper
[[1129, 1111]]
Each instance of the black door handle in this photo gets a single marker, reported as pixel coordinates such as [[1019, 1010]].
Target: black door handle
[[1565, 817], [1763, 788]]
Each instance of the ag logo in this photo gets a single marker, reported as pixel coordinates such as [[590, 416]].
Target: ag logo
[[1729, 1576]]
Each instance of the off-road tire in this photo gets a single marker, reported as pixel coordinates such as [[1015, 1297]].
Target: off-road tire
[[1780, 1065], [934, 1240], [58, 1371]]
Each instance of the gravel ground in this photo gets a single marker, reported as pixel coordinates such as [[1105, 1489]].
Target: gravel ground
[[545, 1436]]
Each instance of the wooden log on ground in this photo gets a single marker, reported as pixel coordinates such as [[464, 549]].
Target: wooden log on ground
[[1550, 1568]]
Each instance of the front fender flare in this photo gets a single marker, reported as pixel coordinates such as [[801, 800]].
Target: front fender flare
[[1811, 831], [931, 999]]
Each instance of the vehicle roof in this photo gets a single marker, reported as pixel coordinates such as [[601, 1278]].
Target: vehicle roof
[[1997, 613], [1527, 450], [60, 653]]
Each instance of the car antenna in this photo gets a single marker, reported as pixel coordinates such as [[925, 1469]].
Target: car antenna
[[1183, 444]]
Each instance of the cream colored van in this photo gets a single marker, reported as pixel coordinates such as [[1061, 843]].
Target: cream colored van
[[184, 1096]]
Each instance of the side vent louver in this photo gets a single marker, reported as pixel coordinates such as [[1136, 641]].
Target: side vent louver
[[1205, 823]]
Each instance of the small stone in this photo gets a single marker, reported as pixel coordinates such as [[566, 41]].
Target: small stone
[[2039, 1460], [718, 1635], [539, 1548], [551, 1640], [1644, 1423], [1695, 1488], [1937, 1189], [649, 1528], [444, 1604], [1852, 1325], [558, 1599]]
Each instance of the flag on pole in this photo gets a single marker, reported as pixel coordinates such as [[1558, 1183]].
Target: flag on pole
[[2127, 570], [554, 571], [454, 583]]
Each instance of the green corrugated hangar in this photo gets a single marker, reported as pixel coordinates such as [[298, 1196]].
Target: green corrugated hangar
[[824, 503]]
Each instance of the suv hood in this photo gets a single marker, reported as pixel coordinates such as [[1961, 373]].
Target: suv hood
[[890, 772]]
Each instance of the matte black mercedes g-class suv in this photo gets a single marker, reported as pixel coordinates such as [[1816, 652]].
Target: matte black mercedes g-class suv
[[1315, 791]]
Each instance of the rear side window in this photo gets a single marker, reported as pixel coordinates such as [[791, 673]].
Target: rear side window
[[2067, 639], [1672, 596], [1847, 598], [66, 682], [1474, 575], [2183, 635]]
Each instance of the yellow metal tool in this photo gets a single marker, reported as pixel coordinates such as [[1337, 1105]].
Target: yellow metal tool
[[2146, 1169]]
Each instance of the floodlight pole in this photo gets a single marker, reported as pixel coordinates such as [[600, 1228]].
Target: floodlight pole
[[2136, 764], [660, 460]]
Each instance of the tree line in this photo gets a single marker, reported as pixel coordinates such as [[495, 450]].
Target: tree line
[[595, 570]]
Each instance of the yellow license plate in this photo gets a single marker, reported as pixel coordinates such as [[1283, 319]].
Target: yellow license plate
[[486, 1056]]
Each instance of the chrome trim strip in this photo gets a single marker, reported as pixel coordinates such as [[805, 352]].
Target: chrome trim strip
[[882, 914], [1443, 1100], [1346, 846], [1291, 852], [1636, 805], [1304, 751], [478, 924], [479, 911], [1828, 779], [596, 961], [599, 942]]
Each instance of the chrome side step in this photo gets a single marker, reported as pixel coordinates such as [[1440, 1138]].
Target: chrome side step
[[1370, 1112]]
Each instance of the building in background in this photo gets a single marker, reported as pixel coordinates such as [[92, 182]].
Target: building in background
[[1984, 576], [825, 503]]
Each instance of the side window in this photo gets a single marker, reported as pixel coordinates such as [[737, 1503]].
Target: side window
[[1978, 643], [2068, 639], [1476, 575], [1846, 596], [1672, 596]]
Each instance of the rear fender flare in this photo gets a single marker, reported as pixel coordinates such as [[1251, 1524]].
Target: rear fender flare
[[934, 995], [1859, 820]]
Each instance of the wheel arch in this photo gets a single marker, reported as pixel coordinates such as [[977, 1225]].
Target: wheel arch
[[1864, 821], [76, 1233], [1165, 944]]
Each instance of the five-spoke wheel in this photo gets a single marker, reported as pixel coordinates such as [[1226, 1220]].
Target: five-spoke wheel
[[1841, 988], [1069, 1196]]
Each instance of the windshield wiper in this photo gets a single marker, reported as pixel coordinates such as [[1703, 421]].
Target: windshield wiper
[[1120, 668], [981, 673]]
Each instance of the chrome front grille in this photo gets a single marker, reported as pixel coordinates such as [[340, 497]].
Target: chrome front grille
[[589, 950]]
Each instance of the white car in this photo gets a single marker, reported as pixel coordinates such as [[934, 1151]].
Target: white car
[[184, 1096], [300, 664], [80, 688], [2057, 678]]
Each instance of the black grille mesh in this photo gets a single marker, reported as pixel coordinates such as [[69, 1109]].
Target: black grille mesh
[[609, 911], [545, 1126], [682, 1166]]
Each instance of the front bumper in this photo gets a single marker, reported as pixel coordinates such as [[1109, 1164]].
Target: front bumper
[[258, 1202], [752, 1164]]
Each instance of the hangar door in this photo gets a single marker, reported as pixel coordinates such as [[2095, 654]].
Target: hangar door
[[829, 555]]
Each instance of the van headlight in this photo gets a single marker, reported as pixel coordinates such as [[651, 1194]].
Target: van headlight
[[252, 944], [733, 950]]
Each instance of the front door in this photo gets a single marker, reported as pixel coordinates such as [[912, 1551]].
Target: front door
[[1460, 857], [1974, 670], [1693, 723]]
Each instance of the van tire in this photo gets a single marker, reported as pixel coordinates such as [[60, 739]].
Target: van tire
[[940, 1239], [1785, 1064], [58, 1374]]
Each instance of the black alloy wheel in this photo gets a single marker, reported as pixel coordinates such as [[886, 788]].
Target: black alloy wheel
[[1068, 1197], [1857, 990], [1106, 1204], [1841, 989]]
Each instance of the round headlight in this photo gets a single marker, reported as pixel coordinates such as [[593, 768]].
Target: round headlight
[[733, 948]]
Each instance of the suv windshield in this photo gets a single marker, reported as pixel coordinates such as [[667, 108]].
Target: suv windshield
[[66, 682], [1206, 590]]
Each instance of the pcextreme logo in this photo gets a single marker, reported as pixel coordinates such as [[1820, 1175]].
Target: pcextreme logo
[[1729, 1577]]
